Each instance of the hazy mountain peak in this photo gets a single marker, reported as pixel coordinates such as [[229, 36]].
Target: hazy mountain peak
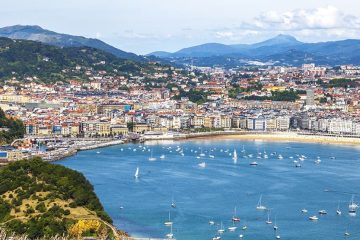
[[277, 40]]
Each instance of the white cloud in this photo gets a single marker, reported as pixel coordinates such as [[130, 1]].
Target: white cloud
[[317, 24], [318, 18]]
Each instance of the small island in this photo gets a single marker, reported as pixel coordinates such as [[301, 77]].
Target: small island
[[40, 200]]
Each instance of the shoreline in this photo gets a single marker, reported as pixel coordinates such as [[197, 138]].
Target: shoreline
[[60, 154], [277, 136], [57, 155]]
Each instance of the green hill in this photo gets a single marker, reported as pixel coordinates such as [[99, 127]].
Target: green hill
[[42, 200], [10, 129], [23, 59]]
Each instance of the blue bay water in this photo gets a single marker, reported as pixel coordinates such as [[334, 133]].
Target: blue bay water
[[211, 193]]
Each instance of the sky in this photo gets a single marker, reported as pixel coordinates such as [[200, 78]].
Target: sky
[[144, 26]]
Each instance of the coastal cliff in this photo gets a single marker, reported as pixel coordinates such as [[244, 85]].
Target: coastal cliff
[[40, 200]]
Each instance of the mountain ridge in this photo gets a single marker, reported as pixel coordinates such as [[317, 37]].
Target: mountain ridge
[[281, 49], [39, 34]]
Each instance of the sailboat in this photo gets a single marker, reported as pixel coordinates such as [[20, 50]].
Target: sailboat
[[202, 154], [173, 204], [277, 236], [162, 156], [275, 225], [243, 149], [260, 206], [235, 218], [137, 173], [221, 230], [352, 205], [235, 157], [346, 234], [151, 158], [338, 211], [170, 235], [169, 222], [268, 221]]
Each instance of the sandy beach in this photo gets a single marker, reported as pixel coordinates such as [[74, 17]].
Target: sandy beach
[[287, 137]]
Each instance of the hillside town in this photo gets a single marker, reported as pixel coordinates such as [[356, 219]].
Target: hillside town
[[171, 101]]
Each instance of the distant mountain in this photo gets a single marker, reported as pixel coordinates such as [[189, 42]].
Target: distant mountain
[[36, 33], [282, 49], [161, 54], [283, 40]]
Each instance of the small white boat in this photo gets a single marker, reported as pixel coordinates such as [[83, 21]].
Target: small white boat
[[211, 156], [313, 218], [211, 222], [216, 238], [322, 212], [98, 152], [254, 164], [260, 206], [241, 236], [317, 161], [162, 156], [202, 165], [304, 210], [280, 156], [232, 229]]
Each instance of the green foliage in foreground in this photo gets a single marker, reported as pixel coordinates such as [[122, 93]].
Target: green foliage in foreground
[[25, 179]]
